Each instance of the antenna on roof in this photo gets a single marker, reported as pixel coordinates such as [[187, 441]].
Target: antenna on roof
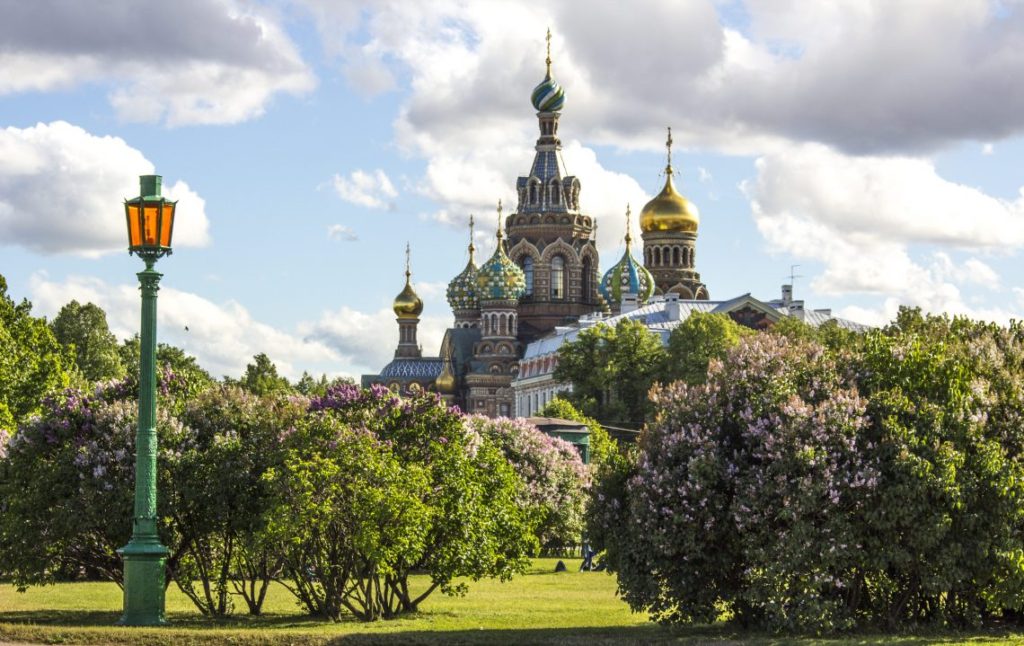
[[792, 274]]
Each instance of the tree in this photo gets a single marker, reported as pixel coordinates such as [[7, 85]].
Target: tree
[[823, 485], [178, 371], [555, 477], [32, 362], [611, 370], [83, 331], [375, 487], [695, 342], [219, 498], [261, 377]]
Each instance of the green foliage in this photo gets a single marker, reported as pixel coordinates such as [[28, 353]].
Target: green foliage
[[66, 488], [178, 371], [32, 362], [83, 331], [375, 487], [219, 498], [611, 371], [823, 481], [261, 377], [696, 341]]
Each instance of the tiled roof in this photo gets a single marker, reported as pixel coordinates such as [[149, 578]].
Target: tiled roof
[[426, 367]]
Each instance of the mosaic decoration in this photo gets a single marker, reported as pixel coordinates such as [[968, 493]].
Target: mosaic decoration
[[500, 279], [406, 368], [462, 289]]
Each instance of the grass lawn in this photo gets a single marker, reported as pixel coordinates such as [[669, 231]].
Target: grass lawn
[[539, 608]]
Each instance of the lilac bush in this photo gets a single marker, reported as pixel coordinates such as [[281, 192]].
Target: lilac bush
[[556, 478]]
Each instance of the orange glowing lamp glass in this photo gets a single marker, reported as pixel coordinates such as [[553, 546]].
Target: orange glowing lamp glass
[[150, 219]]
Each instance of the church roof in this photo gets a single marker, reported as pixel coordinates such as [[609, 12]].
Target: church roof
[[417, 368]]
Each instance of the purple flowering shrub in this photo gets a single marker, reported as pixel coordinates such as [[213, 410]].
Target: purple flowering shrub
[[874, 479], [67, 488], [555, 477], [376, 486]]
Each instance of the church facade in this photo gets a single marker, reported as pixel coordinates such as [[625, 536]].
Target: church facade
[[543, 276]]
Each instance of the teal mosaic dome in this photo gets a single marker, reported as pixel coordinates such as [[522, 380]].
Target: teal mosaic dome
[[627, 276], [462, 289], [548, 96], [500, 279]]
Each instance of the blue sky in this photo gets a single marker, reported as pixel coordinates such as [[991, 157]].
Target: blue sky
[[877, 145]]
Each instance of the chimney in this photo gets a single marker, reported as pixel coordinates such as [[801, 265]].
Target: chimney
[[672, 310], [787, 295], [796, 308], [629, 303]]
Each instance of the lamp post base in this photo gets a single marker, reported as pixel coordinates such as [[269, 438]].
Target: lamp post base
[[143, 584]]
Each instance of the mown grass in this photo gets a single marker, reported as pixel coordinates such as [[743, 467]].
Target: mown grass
[[539, 608]]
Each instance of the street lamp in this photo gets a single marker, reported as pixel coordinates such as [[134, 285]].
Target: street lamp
[[150, 220]]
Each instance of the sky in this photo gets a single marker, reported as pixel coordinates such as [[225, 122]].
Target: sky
[[875, 145]]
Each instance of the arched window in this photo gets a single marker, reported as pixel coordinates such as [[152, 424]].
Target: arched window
[[657, 256], [533, 192], [557, 278], [675, 256], [527, 267], [554, 193], [585, 283]]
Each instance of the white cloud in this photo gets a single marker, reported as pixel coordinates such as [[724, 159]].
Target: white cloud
[[977, 272], [341, 232], [366, 341], [61, 188], [370, 189], [988, 149], [222, 336], [190, 62], [876, 224]]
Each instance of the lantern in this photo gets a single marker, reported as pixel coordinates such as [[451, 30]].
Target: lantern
[[150, 220]]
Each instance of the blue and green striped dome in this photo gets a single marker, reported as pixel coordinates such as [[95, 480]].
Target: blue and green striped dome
[[627, 277], [500, 279], [548, 96]]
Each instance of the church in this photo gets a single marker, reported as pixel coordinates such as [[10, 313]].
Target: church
[[543, 281]]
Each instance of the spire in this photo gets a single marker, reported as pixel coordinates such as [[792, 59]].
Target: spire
[[408, 270], [629, 238], [547, 61], [668, 146], [499, 225], [472, 248]]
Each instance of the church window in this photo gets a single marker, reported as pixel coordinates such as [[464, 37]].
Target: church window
[[657, 256], [558, 278], [527, 267], [587, 271], [533, 193], [675, 256], [554, 193]]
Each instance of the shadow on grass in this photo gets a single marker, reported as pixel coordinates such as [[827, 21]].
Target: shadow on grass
[[96, 619]]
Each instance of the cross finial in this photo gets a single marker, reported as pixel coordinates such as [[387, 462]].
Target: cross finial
[[629, 238], [471, 247], [668, 146], [548, 59], [499, 222], [408, 271]]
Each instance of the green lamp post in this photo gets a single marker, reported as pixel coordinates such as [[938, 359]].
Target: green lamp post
[[150, 220]]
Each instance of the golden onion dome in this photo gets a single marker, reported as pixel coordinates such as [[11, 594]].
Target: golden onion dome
[[445, 382], [407, 304], [669, 211]]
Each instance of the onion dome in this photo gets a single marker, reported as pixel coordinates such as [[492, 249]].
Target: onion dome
[[500, 279], [445, 382], [548, 96], [407, 304], [462, 289], [669, 211], [627, 277]]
